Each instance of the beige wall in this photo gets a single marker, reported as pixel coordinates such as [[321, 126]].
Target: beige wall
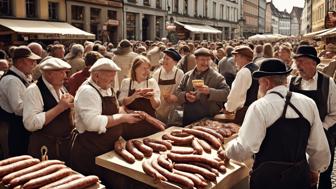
[[250, 8], [268, 19], [318, 14], [19, 7]]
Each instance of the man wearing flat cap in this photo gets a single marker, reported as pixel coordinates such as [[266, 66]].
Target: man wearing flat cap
[[244, 89], [322, 90], [168, 77], [279, 129], [46, 111], [202, 90], [12, 88], [98, 121]]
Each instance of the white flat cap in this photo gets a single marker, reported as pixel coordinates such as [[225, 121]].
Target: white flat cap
[[54, 64], [104, 64]]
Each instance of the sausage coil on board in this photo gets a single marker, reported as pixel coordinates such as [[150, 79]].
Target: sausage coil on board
[[215, 143], [185, 158], [184, 181], [178, 140], [149, 170], [146, 150], [196, 169], [119, 148], [133, 150], [210, 131], [164, 142]]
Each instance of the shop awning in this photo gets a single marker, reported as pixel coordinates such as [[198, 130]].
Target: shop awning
[[199, 28], [45, 29], [315, 34], [329, 33]]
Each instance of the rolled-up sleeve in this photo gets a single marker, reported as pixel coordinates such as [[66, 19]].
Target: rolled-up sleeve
[[88, 111], [33, 115]]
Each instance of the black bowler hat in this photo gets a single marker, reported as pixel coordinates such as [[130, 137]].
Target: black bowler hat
[[172, 53], [307, 51], [271, 66]]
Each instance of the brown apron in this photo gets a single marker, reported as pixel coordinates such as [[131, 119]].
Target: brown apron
[[86, 146], [142, 128], [56, 135]]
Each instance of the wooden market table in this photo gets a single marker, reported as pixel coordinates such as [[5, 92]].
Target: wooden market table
[[236, 171]]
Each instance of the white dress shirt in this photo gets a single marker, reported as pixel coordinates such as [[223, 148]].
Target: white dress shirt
[[88, 108], [33, 115], [264, 112], [11, 92], [152, 83], [237, 95], [330, 118]]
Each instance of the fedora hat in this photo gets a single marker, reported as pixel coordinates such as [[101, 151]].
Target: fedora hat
[[270, 67], [307, 51]]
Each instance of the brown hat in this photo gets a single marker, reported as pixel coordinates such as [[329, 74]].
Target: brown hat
[[202, 52], [24, 52], [245, 51]]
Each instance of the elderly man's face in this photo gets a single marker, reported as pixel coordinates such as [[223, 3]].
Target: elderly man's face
[[56, 77], [104, 78], [202, 63], [28, 65], [306, 67]]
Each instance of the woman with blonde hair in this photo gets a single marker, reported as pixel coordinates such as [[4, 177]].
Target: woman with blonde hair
[[139, 92]]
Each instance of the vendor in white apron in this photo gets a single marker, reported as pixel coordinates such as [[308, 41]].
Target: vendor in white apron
[[168, 77]]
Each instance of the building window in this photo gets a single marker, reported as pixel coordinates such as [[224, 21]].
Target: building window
[[159, 27], [205, 8], [132, 1], [77, 12], [158, 4], [227, 13], [146, 2], [195, 6], [214, 10], [112, 14], [53, 10], [130, 25], [95, 15], [221, 12], [31, 8], [185, 7], [5, 8], [176, 6]]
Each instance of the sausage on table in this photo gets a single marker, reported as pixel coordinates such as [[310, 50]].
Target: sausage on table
[[188, 183], [210, 131], [44, 180], [196, 169], [14, 159], [155, 146], [149, 170], [119, 148], [134, 151], [80, 183], [27, 170], [197, 180], [63, 181], [197, 147], [178, 140], [146, 150], [206, 146], [182, 150], [165, 162], [164, 142], [10, 168], [42, 172], [206, 136], [185, 158]]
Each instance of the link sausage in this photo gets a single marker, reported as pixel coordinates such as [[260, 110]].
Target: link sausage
[[119, 148], [10, 168], [146, 150], [149, 170], [134, 151], [215, 143]]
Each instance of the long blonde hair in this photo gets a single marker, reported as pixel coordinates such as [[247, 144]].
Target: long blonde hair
[[137, 61]]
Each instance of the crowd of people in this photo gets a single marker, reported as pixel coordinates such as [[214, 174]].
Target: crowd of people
[[77, 100]]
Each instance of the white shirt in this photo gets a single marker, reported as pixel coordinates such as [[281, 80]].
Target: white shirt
[[237, 95], [264, 112], [135, 85], [33, 115], [88, 108], [169, 75], [330, 118], [11, 92]]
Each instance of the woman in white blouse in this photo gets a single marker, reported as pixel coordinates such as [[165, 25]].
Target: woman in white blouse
[[140, 93]]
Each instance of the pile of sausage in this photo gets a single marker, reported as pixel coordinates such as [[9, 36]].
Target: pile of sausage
[[181, 160], [26, 172]]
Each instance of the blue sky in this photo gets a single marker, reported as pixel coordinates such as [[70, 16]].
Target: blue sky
[[287, 4]]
